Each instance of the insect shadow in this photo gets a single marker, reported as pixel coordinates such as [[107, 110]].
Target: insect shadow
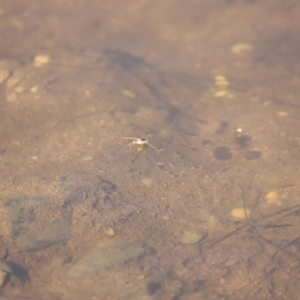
[[271, 242]]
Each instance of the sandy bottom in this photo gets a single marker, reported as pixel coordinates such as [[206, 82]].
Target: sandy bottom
[[90, 91]]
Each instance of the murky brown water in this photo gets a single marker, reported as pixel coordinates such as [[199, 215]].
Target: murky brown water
[[213, 216]]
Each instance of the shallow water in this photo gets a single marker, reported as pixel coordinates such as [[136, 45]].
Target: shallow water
[[213, 216]]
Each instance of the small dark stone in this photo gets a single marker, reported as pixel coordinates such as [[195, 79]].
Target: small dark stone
[[222, 127], [252, 155], [9, 268], [205, 142], [222, 153], [243, 141], [2, 151], [153, 287], [19, 271]]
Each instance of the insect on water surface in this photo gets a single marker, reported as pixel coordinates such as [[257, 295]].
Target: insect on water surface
[[141, 143]]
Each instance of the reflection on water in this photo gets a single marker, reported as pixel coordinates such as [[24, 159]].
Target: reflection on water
[[86, 216]]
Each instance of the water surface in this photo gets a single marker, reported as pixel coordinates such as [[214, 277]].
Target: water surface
[[213, 216]]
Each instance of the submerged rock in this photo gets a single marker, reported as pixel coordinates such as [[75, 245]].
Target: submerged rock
[[42, 222], [38, 223], [106, 257]]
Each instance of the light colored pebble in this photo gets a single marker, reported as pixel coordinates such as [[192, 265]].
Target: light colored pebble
[[12, 97], [34, 89], [19, 89], [147, 182], [273, 198], [220, 78], [41, 60], [221, 81], [282, 113], [110, 232], [2, 277], [241, 47], [128, 94], [239, 213], [190, 238], [220, 94], [4, 74]]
